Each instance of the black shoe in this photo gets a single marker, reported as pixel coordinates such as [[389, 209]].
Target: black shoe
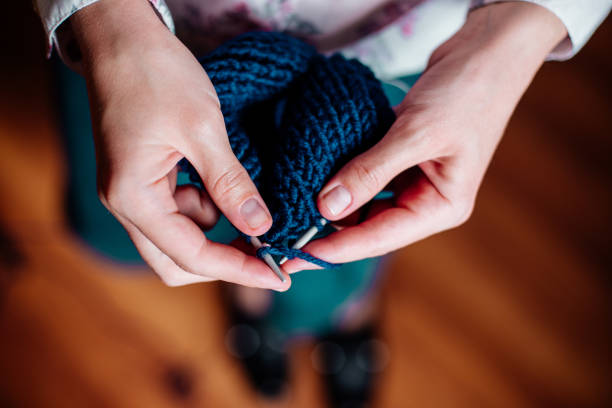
[[349, 363], [261, 351]]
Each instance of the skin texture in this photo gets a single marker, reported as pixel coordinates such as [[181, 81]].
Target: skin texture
[[153, 104], [435, 155]]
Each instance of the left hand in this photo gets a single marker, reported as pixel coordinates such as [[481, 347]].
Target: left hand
[[435, 155]]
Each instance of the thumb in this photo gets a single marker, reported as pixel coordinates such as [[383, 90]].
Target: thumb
[[366, 175], [228, 184]]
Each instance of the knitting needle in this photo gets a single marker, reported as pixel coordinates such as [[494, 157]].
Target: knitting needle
[[268, 259], [304, 239]]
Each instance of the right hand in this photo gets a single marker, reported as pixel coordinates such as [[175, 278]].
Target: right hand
[[152, 104]]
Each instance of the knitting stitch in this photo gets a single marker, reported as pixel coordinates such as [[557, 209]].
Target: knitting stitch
[[293, 118]]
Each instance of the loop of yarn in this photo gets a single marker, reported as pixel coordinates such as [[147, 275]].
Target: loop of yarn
[[291, 253], [293, 117]]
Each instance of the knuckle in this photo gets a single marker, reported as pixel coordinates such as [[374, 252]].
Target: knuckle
[[204, 125], [367, 176], [229, 182], [191, 261], [199, 126], [462, 212], [102, 196], [170, 280], [109, 195], [209, 218], [113, 194], [198, 252]]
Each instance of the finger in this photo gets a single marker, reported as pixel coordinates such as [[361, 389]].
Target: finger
[[168, 271], [177, 236], [193, 202], [249, 249], [173, 177], [197, 205], [420, 211], [226, 180], [367, 174]]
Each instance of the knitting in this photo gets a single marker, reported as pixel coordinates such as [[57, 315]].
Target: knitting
[[293, 118]]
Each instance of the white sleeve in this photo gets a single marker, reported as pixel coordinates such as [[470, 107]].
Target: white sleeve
[[581, 18], [54, 12]]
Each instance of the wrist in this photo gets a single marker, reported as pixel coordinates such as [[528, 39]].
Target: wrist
[[108, 29], [498, 51], [506, 37]]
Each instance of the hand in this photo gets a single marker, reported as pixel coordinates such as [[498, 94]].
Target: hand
[[436, 153], [152, 104]]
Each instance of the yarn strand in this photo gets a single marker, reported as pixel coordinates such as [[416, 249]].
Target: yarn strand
[[291, 253], [293, 118]]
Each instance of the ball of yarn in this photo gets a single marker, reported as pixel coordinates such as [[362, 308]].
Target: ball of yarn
[[294, 117]]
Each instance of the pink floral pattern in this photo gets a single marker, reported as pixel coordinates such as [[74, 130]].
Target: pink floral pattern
[[394, 37]]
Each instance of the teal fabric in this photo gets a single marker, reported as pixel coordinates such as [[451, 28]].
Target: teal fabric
[[394, 93], [87, 216], [317, 300]]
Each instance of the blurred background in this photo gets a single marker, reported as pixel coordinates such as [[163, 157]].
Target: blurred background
[[510, 310]]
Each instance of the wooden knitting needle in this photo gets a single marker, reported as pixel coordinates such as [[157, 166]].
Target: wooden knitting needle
[[268, 259], [304, 239]]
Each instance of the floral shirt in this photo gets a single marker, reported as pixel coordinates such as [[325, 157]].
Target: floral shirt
[[393, 37]]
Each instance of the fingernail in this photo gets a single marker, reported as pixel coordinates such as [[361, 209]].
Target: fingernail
[[337, 200], [253, 213]]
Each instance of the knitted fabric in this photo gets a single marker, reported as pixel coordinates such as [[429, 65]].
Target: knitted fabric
[[293, 118]]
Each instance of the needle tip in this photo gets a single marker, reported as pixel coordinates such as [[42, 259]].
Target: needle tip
[[268, 259]]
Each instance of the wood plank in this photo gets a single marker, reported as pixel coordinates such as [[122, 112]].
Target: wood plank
[[510, 310]]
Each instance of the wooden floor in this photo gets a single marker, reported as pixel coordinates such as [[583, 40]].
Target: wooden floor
[[510, 310]]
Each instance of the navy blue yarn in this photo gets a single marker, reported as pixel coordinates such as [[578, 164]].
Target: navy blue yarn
[[291, 253], [293, 118]]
